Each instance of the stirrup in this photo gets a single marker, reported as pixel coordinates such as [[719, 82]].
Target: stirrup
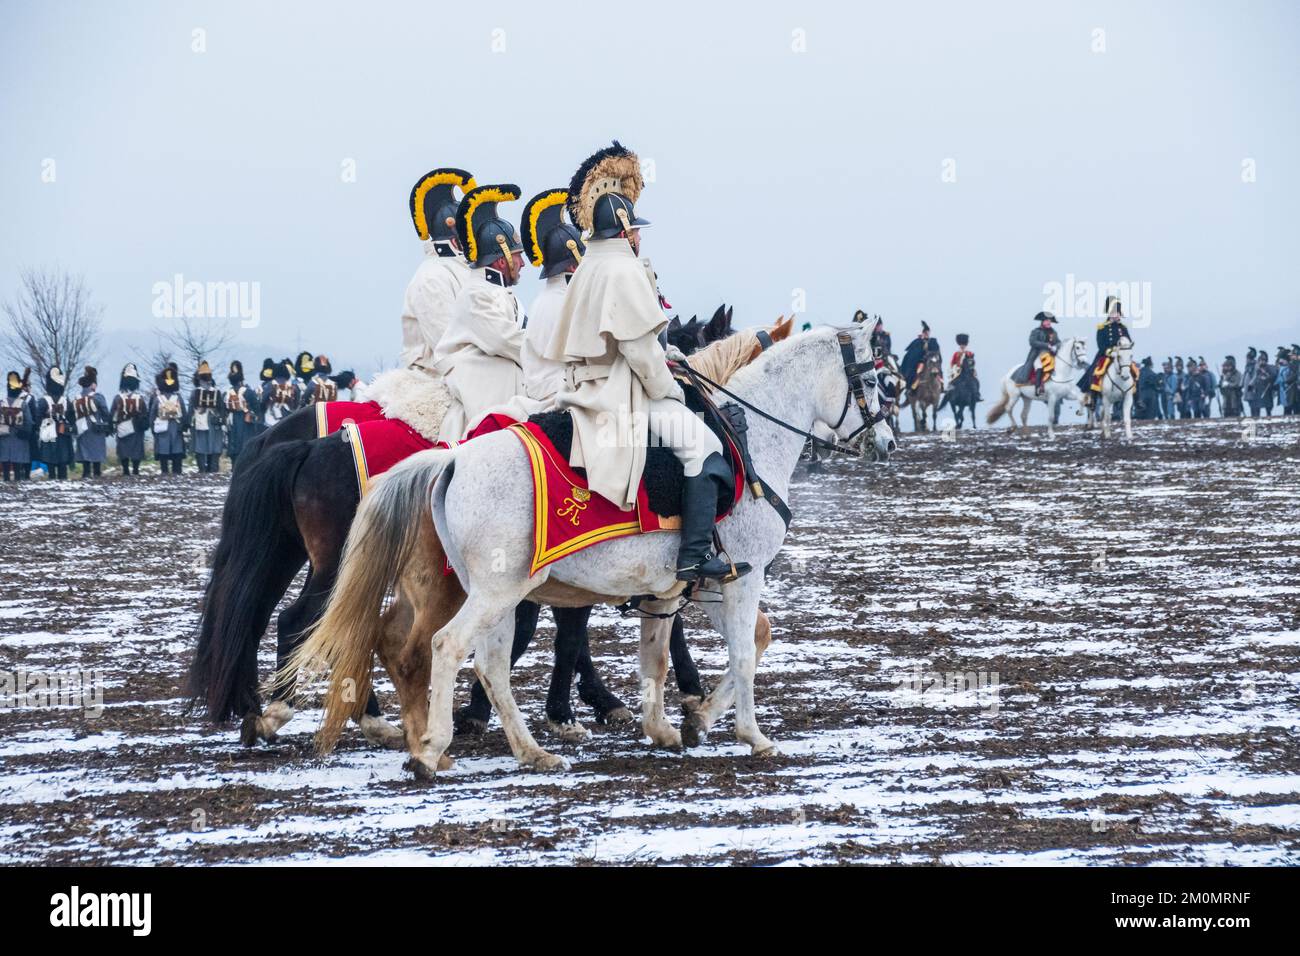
[[723, 571]]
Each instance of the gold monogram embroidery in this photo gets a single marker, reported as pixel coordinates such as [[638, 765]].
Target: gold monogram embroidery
[[574, 505]]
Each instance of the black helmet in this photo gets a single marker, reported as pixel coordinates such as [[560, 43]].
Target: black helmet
[[484, 236], [433, 204], [236, 372], [549, 241], [305, 365], [603, 190], [268, 369], [963, 339]]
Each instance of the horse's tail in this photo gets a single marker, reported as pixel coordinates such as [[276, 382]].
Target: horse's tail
[[1000, 407], [254, 562], [383, 534]]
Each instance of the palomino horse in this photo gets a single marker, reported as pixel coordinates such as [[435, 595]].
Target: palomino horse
[[1071, 358], [479, 498], [1118, 383], [927, 392], [961, 394]]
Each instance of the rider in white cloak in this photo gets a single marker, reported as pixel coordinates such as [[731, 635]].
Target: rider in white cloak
[[557, 247], [479, 354], [432, 291], [617, 383]]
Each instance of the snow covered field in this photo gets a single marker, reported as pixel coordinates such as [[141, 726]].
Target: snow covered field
[[991, 650]]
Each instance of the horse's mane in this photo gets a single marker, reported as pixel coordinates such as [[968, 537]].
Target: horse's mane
[[779, 354]]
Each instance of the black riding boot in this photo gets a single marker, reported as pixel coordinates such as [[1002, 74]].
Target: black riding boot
[[695, 559]]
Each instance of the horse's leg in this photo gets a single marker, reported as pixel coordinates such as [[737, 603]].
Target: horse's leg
[[701, 718], [288, 635], [653, 671], [1128, 416], [570, 636], [473, 718], [684, 669], [492, 663], [737, 620], [591, 689]]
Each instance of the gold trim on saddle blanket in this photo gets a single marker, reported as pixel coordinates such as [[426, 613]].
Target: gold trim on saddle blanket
[[322, 420], [568, 510], [359, 464]]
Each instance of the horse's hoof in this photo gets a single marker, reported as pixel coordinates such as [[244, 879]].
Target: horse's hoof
[[421, 770], [248, 731], [693, 732], [466, 724], [619, 715], [670, 739], [380, 733], [546, 763], [570, 731], [771, 750]]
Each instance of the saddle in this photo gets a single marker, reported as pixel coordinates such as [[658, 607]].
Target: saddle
[[662, 478]]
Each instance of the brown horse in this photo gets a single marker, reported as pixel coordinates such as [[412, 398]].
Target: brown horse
[[927, 390]]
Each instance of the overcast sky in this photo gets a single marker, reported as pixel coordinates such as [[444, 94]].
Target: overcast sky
[[927, 161]]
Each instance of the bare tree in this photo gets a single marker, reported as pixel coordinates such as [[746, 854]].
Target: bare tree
[[52, 321], [195, 339]]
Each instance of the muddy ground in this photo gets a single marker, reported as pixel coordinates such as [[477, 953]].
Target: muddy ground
[[1123, 621]]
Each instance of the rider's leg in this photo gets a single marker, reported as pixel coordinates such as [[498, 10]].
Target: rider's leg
[[706, 477]]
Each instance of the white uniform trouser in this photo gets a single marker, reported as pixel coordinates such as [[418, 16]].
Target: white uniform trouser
[[676, 427]]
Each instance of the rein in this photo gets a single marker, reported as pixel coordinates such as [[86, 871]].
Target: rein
[[853, 371]]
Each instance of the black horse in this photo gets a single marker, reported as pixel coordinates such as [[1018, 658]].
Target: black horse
[[963, 393]]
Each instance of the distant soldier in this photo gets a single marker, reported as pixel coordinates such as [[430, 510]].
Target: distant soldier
[[55, 425], [129, 415], [169, 416], [90, 411], [1262, 387], [17, 423], [304, 366], [1168, 390], [280, 394], [243, 407], [208, 419], [882, 344], [1150, 385], [1230, 389]]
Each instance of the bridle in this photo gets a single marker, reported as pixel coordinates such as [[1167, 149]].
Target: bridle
[[858, 376], [1124, 370]]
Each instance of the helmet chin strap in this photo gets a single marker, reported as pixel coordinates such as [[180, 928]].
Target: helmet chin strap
[[573, 250], [508, 258]]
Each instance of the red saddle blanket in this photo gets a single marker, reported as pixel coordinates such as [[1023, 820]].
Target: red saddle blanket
[[379, 444], [331, 416], [567, 515]]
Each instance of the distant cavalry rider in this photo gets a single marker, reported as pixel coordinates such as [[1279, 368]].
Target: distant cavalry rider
[[243, 411], [130, 417], [170, 418], [617, 384], [17, 425], [55, 425], [958, 358], [914, 357], [479, 354], [208, 420], [90, 411], [1041, 362], [432, 291], [1109, 333]]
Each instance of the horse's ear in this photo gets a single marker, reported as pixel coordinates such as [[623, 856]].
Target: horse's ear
[[730, 310], [674, 324], [717, 326]]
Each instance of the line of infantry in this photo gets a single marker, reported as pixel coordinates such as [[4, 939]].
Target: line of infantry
[[62, 431]]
